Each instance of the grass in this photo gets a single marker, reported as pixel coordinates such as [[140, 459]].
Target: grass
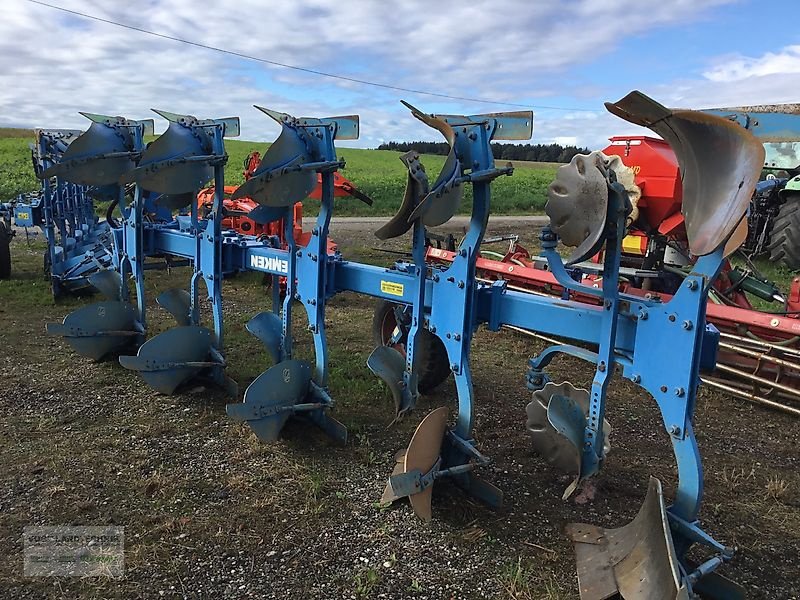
[[16, 170], [378, 173], [521, 581], [778, 274], [365, 581]]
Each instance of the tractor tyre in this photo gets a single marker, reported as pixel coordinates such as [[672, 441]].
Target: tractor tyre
[[5, 252], [784, 247], [433, 367]]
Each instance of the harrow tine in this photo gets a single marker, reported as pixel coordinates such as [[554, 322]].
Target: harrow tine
[[278, 181], [420, 464], [272, 398], [738, 392], [637, 560], [556, 421], [720, 165], [99, 329], [172, 357], [177, 302], [416, 189], [268, 327], [108, 282], [577, 203]]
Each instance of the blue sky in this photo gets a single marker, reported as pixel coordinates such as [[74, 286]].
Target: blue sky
[[573, 55]]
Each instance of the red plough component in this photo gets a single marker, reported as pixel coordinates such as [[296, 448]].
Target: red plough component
[[236, 211], [759, 349]]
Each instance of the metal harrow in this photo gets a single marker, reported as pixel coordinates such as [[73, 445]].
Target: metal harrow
[[648, 558]]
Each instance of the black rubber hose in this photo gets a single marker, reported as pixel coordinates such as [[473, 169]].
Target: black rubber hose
[[112, 222]]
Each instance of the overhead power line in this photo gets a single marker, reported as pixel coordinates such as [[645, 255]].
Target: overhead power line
[[310, 71]]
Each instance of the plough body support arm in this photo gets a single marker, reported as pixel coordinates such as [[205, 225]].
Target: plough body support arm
[[454, 303], [495, 306]]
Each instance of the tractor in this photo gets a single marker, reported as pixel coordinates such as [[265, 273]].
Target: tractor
[[774, 216]]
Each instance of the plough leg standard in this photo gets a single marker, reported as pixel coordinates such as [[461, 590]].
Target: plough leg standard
[[720, 162]]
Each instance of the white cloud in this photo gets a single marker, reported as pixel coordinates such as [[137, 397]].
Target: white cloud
[[738, 68], [504, 50]]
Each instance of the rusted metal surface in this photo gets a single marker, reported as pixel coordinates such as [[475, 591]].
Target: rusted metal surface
[[784, 109], [557, 435], [577, 202], [637, 560], [720, 162]]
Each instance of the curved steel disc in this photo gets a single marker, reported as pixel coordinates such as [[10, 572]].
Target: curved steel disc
[[177, 142], [268, 327], [720, 164], [279, 387], [627, 178], [637, 560], [422, 453], [90, 329], [556, 422], [83, 161], [164, 361], [558, 450], [280, 190], [577, 203]]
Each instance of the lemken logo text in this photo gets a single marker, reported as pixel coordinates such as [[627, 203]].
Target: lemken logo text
[[269, 263]]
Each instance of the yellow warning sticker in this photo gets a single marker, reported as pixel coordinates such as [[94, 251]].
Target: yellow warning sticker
[[390, 287]]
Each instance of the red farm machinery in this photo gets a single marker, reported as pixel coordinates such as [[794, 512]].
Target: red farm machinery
[[239, 211], [759, 351]]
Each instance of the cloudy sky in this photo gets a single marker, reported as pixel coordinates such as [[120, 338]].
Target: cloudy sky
[[560, 58]]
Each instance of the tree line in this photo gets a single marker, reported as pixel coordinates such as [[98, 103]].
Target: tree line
[[531, 152]]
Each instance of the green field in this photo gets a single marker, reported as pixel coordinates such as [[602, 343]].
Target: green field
[[378, 173]]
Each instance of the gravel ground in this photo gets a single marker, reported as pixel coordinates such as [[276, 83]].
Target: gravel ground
[[209, 512]]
